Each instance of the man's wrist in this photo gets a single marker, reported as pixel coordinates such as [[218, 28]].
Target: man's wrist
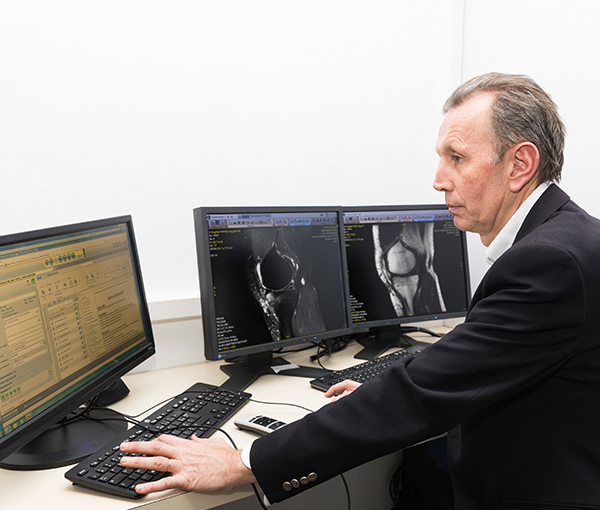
[[245, 458], [243, 471]]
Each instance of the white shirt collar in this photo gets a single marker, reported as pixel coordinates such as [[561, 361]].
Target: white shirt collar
[[506, 237]]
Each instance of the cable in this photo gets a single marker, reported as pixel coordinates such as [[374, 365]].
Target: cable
[[81, 413], [281, 404], [396, 484], [347, 491], [418, 329], [328, 347], [301, 349]]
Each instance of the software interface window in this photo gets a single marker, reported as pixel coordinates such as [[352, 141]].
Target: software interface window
[[69, 309], [291, 265], [404, 263]]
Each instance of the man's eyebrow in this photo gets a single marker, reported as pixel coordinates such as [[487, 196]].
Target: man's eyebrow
[[448, 146], [454, 145]]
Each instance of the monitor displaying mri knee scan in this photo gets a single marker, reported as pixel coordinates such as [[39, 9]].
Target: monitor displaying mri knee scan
[[405, 264], [270, 278]]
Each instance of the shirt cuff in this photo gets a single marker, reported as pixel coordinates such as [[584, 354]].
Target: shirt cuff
[[246, 462], [246, 456]]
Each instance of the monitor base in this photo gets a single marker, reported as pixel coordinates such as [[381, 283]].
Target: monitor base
[[66, 444], [244, 373], [388, 337]]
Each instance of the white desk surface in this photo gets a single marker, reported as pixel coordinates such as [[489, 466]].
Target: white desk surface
[[49, 489]]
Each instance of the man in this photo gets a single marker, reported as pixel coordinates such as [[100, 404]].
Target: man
[[517, 386]]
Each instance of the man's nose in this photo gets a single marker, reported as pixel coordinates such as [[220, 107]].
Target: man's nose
[[440, 181]]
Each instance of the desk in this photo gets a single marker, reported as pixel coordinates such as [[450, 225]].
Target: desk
[[369, 484]]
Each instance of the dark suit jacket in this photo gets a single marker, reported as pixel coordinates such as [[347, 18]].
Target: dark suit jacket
[[517, 385]]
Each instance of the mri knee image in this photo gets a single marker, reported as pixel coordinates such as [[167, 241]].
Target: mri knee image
[[404, 260], [278, 270]]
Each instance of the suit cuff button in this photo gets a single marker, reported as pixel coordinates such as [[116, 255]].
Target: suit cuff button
[[287, 486], [312, 477], [295, 483]]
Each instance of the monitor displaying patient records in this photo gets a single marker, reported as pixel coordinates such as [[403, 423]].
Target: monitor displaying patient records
[[406, 264], [270, 277], [73, 319]]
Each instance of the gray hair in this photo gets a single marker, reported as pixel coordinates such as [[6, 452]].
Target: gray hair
[[522, 112]]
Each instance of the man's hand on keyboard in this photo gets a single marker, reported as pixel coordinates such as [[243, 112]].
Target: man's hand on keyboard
[[199, 465], [341, 389]]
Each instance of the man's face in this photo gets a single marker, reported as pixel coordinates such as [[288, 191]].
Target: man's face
[[475, 187]]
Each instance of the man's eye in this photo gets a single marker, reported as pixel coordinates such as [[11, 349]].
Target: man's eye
[[457, 159]]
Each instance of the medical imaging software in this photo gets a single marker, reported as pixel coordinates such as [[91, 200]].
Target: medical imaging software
[[404, 264], [275, 277]]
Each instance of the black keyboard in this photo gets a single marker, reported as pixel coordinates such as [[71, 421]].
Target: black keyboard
[[365, 371], [191, 412]]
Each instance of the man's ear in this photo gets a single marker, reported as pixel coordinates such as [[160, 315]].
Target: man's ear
[[525, 162]]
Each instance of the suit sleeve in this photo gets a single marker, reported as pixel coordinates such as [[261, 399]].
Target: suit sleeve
[[524, 323]]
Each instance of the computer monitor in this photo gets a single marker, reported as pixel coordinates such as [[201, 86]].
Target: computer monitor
[[73, 320], [406, 264], [270, 278]]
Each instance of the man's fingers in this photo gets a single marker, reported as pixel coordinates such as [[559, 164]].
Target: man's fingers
[[167, 482], [160, 446], [336, 388], [172, 440], [152, 462], [346, 386]]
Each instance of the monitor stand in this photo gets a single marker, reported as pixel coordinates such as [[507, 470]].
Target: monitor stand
[[385, 338], [242, 374], [68, 443]]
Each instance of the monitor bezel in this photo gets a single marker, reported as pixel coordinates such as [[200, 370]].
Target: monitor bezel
[[49, 417], [398, 321], [206, 281]]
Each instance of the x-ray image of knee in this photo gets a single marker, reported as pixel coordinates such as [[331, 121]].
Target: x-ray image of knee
[[278, 269], [404, 262]]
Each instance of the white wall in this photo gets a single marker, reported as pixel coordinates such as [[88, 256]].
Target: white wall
[[154, 107]]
